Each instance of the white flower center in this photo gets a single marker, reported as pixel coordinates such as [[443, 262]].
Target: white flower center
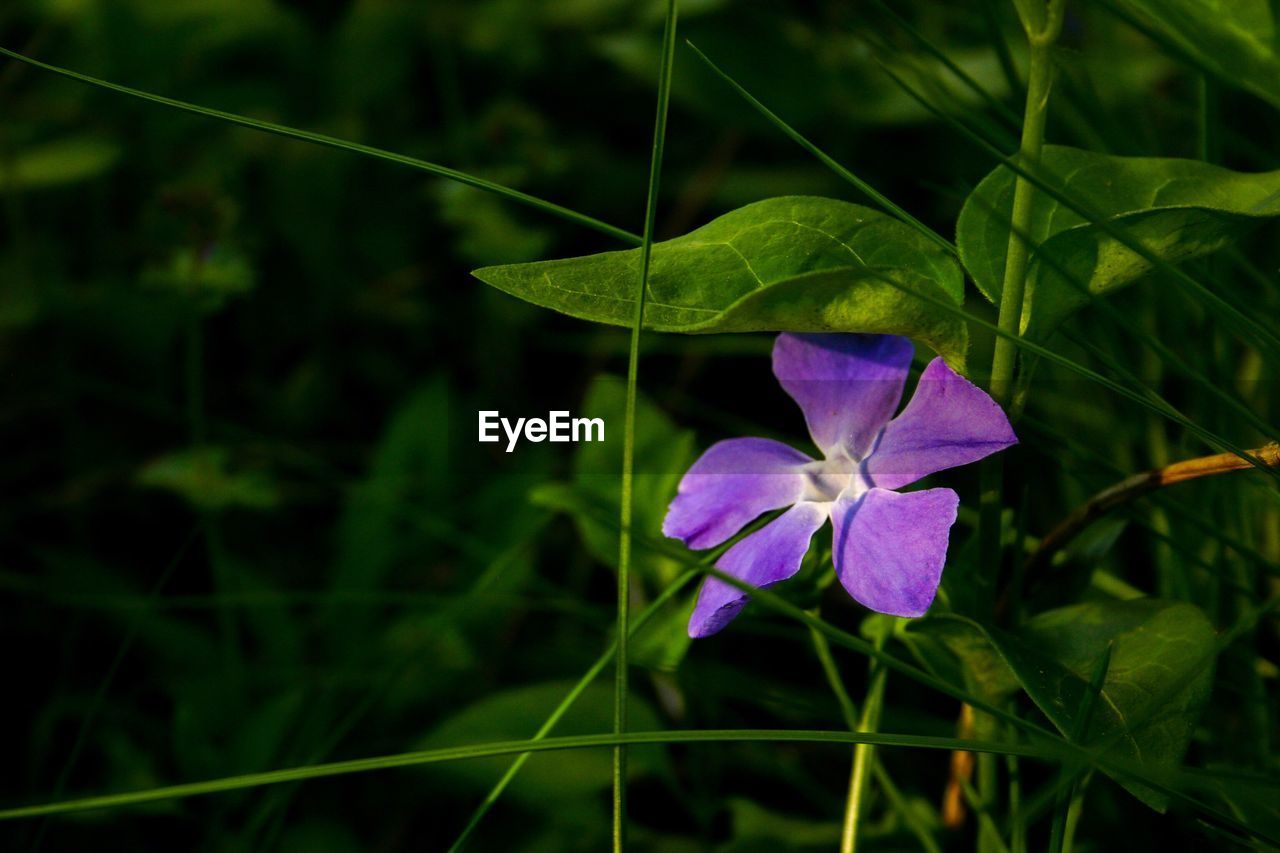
[[830, 478]]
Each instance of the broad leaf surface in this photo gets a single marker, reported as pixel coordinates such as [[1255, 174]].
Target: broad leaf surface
[[1237, 39], [1175, 209], [797, 263], [1156, 684]]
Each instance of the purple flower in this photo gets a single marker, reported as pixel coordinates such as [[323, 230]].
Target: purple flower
[[889, 547]]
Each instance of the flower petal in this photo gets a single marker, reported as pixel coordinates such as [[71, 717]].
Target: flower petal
[[771, 554], [732, 483], [889, 548], [949, 422], [847, 385]]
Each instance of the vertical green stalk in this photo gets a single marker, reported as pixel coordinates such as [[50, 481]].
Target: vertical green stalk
[[1017, 257], [1042, 24], [908, 815], [863, 756], [629, 434]]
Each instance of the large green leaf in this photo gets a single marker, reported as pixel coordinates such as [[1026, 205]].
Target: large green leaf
[[1156, 684], [1174, 209], [1236, 39], [796, 263]]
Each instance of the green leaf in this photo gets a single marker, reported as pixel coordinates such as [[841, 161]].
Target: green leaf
[[1235, 40], [796, 263], [1175, 209], [1156, 685], [518, 713]]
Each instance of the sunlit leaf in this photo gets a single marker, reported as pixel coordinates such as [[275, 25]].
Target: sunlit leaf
[[785, 264], [1175, 209]]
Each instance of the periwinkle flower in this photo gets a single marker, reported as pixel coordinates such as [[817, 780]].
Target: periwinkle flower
[[889, 547]]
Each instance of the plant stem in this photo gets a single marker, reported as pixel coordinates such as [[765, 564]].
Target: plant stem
[[1018, 255], [863, 756], [1140, 484], [1041, 35], [629, 436], [1043, 25], [923, 833]]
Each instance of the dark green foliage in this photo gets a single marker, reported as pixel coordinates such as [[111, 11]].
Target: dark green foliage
[[245, 524]]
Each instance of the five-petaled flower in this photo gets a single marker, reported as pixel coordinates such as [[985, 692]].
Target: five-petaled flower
[[888, 547]]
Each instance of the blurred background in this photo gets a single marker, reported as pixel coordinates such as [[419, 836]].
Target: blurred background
[[244, 521]]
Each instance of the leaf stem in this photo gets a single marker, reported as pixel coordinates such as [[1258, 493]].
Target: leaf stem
[[629, 435]]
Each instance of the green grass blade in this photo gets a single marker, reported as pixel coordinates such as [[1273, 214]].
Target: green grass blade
[[489, 750], [341, 144], [1048, 752], [629, 434]]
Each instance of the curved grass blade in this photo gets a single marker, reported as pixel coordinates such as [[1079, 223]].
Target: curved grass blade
[[489, 750], [340, 144]]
